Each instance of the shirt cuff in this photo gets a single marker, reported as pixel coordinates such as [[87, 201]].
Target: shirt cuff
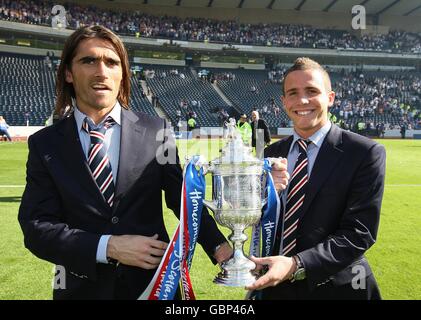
[[101, 252]]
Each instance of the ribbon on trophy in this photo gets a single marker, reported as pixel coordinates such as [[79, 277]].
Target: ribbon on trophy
[[265, 230], [270, 213], [175, 264]]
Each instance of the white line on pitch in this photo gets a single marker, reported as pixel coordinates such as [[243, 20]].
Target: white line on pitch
[[12, 186]]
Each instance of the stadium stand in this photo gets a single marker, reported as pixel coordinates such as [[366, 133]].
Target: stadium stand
[[389, 98], [27, 89], [139, 101], [200, 29], [27, 95], [181, 89], [252, 90], [378, 97]]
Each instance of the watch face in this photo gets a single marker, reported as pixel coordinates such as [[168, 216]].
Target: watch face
[[300, 274]]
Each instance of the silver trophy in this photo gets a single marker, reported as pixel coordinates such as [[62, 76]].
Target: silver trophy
[[237, 203]]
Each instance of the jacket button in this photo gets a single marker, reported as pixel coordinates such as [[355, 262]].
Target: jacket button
[[114, 220]]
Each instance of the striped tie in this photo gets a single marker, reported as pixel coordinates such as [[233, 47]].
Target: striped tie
[[295, 199], [98, 160]]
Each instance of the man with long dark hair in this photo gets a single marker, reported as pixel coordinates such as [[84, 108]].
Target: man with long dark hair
[[92, 202]]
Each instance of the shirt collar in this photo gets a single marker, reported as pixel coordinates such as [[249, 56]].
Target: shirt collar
[[317, 138], [115, 114]]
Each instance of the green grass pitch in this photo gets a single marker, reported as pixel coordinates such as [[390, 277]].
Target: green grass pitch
[[395, 258]]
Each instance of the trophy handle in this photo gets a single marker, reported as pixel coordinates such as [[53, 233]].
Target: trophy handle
[[264, 202], [207, 167], [210, 204], [264, 197]]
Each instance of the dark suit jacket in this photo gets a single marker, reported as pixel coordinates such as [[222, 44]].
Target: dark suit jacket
[[63, 214], [341, 214], [261, 124]]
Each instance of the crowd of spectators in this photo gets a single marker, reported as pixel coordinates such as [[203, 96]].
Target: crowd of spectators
[[394, 98], [365, 96], [140, 24], [359, 95]]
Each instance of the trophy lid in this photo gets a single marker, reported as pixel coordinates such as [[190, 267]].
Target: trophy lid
[[235, 151]]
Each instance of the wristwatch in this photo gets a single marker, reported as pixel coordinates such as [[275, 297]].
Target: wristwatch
[[300, 272]]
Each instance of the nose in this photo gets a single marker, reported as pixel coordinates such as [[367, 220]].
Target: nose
[[101, 69], [304, 99]]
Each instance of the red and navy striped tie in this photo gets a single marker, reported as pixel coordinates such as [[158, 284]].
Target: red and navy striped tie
[[295, 199], [98, 160]]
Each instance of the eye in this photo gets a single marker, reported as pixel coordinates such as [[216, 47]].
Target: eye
[[113, 63], [88, 61], [313, 91]]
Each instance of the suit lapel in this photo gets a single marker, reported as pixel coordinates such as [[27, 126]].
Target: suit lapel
[[284, 147], [75, 160], [131, 161], [326, 160]]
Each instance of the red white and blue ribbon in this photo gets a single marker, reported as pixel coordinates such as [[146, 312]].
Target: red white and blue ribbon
[[268, 224], [270, 216], [177, 259]]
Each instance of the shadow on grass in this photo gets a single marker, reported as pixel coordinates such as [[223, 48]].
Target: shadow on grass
[[10, 199]]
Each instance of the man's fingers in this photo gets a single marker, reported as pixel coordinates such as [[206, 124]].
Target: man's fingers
[[278, 174], [158, 244], [279, 163], [157, 252], [261, 283], [258, 268], [285, 175], [267, 280], [145, 265], [260, 261], [152, 260], [280, 179]]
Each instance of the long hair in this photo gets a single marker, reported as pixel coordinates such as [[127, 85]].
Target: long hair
[[65, 91]]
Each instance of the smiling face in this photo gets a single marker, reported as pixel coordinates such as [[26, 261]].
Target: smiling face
[[306, 100], [96, 75]]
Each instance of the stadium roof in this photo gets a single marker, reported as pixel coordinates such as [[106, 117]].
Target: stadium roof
[[373, 7]]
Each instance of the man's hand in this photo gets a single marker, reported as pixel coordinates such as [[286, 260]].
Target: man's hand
[[135, 250], [223, 253], [280, 269], [280, 174]]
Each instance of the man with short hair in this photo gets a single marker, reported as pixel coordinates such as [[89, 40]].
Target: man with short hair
[[331, 209], [260, 136]]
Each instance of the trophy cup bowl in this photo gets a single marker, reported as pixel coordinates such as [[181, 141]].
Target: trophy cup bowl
[[237, 202]]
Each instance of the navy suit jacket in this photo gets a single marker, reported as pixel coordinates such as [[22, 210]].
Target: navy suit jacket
[[341, 212], [63, 214]]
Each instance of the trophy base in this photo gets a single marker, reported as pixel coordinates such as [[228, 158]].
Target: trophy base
[[234, 279]]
